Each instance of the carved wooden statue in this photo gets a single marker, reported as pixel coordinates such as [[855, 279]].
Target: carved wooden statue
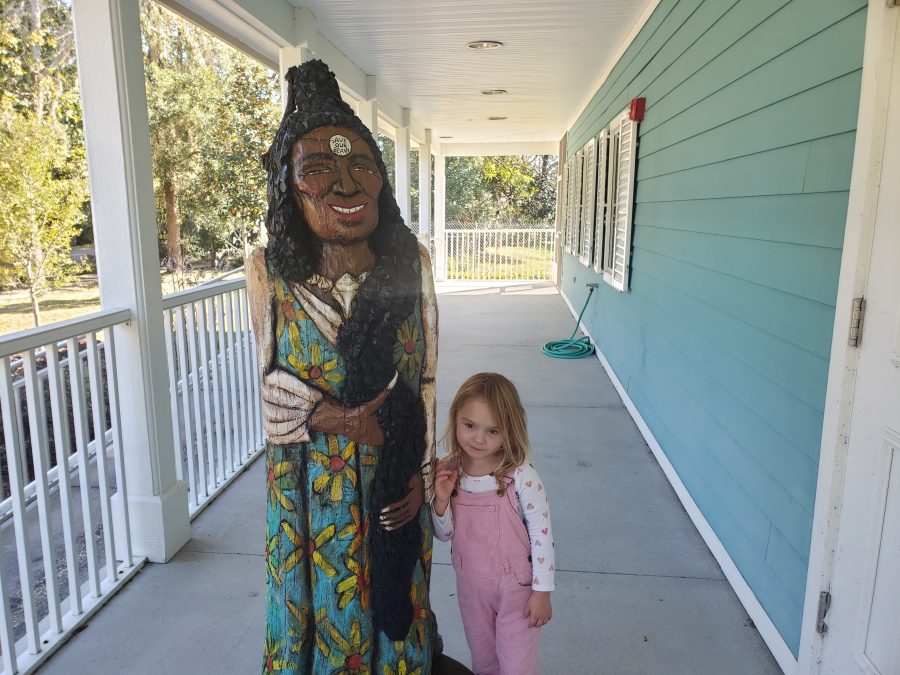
[[344, 314]]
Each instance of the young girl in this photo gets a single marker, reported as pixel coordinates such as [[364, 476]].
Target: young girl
[[483, 491]]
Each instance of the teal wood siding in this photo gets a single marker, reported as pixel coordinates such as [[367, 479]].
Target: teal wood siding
[[742, 184]]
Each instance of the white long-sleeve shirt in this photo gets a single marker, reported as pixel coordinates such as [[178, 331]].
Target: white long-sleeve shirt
[[533, 506]]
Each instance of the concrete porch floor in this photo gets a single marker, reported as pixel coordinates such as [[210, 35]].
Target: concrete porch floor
[[637, 591]]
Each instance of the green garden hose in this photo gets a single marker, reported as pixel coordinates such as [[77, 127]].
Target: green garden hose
[[572, 348]]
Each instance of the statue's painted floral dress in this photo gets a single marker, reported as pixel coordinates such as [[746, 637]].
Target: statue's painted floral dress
[[318, 617]]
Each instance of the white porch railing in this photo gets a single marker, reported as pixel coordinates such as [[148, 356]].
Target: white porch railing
[[214, 387], [519, 254], [60, 558]]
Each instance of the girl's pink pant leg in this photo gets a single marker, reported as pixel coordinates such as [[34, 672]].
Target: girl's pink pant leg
[[493, 582]]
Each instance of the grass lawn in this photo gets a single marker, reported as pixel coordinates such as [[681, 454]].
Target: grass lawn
[[501, 262], [73, 301]]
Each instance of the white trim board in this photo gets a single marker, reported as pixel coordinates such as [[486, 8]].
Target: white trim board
[[764, 625]]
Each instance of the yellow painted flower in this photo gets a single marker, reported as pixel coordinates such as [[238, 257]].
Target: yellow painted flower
[[356, 529], [299, 625], [279, 477], [357, 581], [271, 560], [286, 309], [296, 555], [407, 350], [336, 468], [402, 669], [274, 658], [323, 374], [420, 613], [313, 546], [354, 649]]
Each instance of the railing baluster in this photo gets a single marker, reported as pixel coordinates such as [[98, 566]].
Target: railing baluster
[[254, 379], [216, 388], [173, 390], [99, 414], [235, 426], [185, 373], [56, 383], [239, 366], [209, 436], [79, 421], [115, 421], [226, 387], [40, 461], [201, 485], [17, 494], [248, 371]]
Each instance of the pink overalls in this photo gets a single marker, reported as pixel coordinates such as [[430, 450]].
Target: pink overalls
[[490, 552]]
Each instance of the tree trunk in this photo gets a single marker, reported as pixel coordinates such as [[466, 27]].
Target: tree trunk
[[35, 308], [37, 95], [173, 227]]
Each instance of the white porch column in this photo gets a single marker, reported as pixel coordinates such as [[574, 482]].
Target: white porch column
[[367, 108], [440, 211], [401, 168], [306, 33], [425, 189], [117, 140]]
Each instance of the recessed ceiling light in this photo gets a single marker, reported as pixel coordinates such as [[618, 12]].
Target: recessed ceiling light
[[484, 44], [494, 92], [496, 118]]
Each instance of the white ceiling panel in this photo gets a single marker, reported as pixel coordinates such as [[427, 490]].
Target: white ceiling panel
[[553, 56]]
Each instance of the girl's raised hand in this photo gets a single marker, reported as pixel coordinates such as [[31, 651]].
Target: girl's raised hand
[[538, 610], [445, 479]]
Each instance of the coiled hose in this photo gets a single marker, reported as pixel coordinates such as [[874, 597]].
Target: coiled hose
[[572, 348]]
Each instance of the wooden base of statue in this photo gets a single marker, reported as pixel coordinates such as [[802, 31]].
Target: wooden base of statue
[[444, 665]]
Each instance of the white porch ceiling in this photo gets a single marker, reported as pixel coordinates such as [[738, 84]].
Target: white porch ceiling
[[555, 54]]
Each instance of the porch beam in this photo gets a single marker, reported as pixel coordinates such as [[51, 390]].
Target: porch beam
[[425, 188], [367, 108], [117, 141], [401, 167], [440, 210], [495, 149]]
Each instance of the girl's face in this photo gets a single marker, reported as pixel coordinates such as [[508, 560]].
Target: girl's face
[[478, 435]]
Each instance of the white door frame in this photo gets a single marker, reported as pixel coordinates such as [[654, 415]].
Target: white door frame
[[881, 25]]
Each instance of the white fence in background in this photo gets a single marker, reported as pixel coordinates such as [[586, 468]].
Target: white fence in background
[[60, 558], [214, 386], [482, 254]]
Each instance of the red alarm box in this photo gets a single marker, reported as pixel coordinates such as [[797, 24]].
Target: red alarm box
[[636, 109]]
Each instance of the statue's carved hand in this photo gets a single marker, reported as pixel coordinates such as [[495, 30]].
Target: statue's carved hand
[[358, 424], [396, 515], [286, 406]]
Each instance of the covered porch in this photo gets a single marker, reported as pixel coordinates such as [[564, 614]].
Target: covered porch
[[637, 589]]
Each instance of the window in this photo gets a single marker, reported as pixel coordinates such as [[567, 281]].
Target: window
[[600, 210], [617, 153], [589, 187]]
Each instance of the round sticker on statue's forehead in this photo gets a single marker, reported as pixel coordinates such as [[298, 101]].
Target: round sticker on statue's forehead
[[340, 145]]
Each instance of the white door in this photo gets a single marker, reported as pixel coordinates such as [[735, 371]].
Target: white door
[[864, 619]]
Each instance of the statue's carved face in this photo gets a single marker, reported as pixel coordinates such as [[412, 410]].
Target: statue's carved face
[[336, 182]]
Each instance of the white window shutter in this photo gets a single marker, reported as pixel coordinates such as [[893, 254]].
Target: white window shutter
[[624, 212], [563, 200], [575, 230], [600, 210], [589, 184], [570, 208]]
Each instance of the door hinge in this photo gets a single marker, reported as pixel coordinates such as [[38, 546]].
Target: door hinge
[[824, 604], [857, 315]]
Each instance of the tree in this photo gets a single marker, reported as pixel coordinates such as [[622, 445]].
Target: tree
[[42, 203]]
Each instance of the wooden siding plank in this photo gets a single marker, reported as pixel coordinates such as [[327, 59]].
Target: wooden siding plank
[[806, 271], [830, 163], [826, 110], [806, 219]]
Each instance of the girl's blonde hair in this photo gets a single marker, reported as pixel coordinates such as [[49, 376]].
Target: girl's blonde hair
[[500, 395]]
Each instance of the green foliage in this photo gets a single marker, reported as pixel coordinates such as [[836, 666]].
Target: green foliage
[[42, 203], [501, 190], [212, 113]]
